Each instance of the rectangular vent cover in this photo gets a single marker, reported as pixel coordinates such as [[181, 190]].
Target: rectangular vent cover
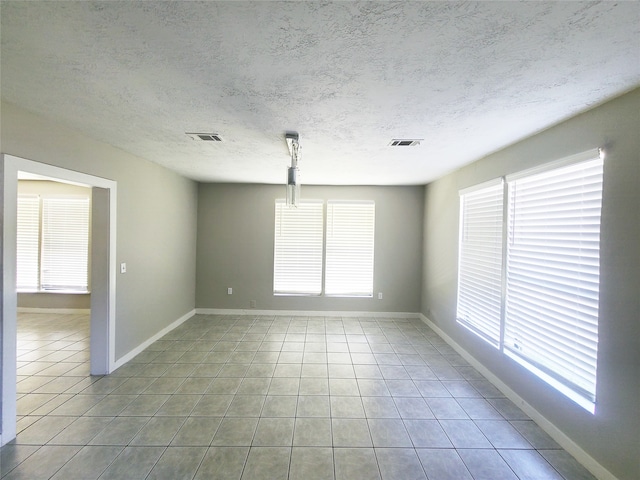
[[205, 137], [405, 142]]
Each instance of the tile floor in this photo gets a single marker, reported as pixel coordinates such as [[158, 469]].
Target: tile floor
[[228, 397]]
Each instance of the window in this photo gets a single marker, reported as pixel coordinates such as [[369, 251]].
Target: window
[[52, 243], [28, 243], [301, 247], [480, 265], [297, 265], [349, 263], [548, 314]]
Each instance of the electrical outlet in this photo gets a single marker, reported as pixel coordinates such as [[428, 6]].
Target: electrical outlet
[[252, 303], [229, 291], [379, 295]]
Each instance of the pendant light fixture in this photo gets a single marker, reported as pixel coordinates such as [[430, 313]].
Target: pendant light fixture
[[293, 173]]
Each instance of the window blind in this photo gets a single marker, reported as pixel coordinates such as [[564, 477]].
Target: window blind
[[553, 264], [350, 248], [65, 243], [28, 242], [480, 260], [298, 248]]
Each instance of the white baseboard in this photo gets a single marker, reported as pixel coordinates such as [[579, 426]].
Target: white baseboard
[[303, 313], [554, 432], [125, 358], [76, 311]]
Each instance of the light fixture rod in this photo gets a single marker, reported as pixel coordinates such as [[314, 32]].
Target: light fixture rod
[[293, 143], [293, 181]]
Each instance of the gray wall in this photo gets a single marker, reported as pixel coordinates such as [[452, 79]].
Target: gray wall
[[235, 248], [45, 300], [611, 436], [156, 221]]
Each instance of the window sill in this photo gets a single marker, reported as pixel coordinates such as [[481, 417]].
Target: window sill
[[281, 294], [319, 295], [64, 292]]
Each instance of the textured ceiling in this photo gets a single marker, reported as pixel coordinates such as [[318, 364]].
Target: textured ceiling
[[467, 77]]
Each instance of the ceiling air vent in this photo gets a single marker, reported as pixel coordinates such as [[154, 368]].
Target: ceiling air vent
[[405, 142], [205, 137]]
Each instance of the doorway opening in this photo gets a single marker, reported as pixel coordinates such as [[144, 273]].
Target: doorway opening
[[102, 273]]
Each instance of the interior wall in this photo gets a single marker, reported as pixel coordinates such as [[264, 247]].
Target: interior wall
[[156, 221], [236, 241], [611, 435], [45, 300]]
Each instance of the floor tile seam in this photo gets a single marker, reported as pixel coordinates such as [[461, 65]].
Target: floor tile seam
[[110, 463], [65, 463], [195, 472], [23, 460], [375, 452], [556, 447], [475, 421], [560, 475], [498, 453], [45, 404], [150, 470]]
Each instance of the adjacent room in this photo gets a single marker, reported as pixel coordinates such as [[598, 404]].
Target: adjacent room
[[320, 240]]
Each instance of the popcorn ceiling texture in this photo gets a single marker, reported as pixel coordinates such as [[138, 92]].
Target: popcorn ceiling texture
[[468, 77]]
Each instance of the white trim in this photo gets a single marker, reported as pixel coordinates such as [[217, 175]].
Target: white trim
[[592, 154], [306, 200], [76, 311], [304, 313], [588, 405], [103, 321], [481, 186], [554, 432], [128, 356]]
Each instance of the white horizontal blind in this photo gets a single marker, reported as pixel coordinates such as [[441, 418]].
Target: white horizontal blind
[[553, 264], [480, 261], [298, 248], [28, 242], [350, 248], [65, 243]]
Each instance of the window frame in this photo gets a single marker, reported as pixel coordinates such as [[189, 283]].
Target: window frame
[[360, 213], [326, 216], [284, 265], [28, 244], [44, 260], [491, 296]]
